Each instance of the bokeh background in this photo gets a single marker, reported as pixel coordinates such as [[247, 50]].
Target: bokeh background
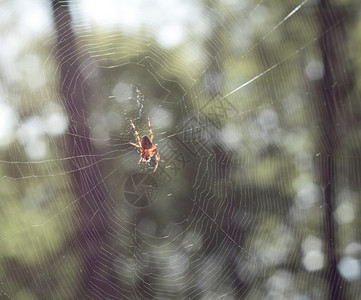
[[255, 107]]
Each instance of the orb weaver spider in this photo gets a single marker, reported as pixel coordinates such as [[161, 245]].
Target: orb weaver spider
[[147, 149]]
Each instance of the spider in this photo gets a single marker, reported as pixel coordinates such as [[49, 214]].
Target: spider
[[146, 146]]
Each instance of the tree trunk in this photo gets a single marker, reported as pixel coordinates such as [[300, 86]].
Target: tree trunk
[[333, 89], [84, 164]]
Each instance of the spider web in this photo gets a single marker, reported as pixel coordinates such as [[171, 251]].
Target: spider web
[[251, 150]]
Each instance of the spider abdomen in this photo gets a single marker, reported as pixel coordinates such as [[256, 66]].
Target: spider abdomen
[[146, 143]]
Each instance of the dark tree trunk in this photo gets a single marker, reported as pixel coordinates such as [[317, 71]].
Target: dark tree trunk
[[333, 89], [76, 91]]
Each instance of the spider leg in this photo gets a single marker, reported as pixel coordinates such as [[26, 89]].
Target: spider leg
[[157, 157], [150, 130], [141, 159], [136, 145], [136, 132]]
